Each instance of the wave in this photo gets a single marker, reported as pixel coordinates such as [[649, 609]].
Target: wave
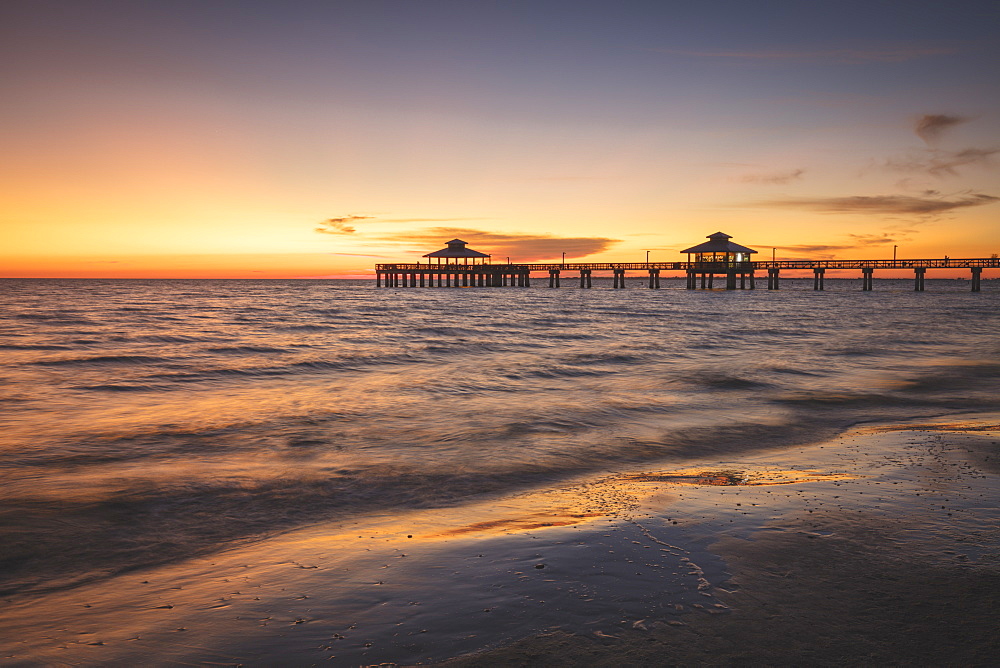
[[101, 359], [247, 349], [110, 387], [29, 346]]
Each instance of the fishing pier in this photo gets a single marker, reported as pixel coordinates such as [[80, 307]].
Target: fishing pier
[[457, 266]]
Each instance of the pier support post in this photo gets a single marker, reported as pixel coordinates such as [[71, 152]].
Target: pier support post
[[818, 273], [773, 279], [731, 280], [977, 273], [527, 279], [711, 281], [918, 278], [553, 278], [753, 280], [619, 278], [866, 278], [692, 280]]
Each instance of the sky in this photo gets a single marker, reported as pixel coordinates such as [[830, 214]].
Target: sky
[[307, 138]]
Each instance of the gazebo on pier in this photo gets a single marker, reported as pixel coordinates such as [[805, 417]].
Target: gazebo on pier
[[455, 251], [457, 266], [719, 255]]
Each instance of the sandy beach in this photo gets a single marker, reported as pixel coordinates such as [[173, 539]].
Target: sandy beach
[[881, 546]]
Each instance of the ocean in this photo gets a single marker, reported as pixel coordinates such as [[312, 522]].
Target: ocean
[[144, 422]]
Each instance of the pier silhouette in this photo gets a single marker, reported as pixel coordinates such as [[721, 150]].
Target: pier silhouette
[[458, 266]]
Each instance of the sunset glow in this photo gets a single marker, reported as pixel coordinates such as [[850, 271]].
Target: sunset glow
[[258, 139]]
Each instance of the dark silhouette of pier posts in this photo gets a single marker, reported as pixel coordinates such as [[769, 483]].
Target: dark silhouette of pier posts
[[818, 273], [553, 278], [619, 281], [654, 279], [773, 279], [867, 278], [976, 275], [918, 278], [585, 281], [731, 279], [692, 280]]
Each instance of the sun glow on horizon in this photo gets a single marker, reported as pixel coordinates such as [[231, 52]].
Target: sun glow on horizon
[[164, 141]]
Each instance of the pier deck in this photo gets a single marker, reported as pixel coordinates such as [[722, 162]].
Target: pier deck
[[744, 273]]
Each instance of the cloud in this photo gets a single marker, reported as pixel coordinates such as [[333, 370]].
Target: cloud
[[880, 239], [339, 225], [816, 248], [885, 204], [773, 178], [929, 127], [941, 163], [846, 56], [427, 220], [519, 247]]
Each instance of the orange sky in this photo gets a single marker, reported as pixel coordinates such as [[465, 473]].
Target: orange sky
[[175, 140]]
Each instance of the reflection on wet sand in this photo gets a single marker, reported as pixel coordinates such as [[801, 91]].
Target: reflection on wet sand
[[736, 477]]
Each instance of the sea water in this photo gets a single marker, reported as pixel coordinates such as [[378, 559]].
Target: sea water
[[143, 422]]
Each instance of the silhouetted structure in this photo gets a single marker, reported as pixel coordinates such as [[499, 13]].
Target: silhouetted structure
[[719, 255], [459, 266], [456, 250]]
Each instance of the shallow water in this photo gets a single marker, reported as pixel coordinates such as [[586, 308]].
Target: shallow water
[[148, 421]]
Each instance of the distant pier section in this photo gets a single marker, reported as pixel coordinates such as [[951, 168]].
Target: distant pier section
[[457, 266]]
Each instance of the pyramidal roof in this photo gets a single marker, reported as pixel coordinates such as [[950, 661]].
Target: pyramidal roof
[[718, 243], [456, 248]]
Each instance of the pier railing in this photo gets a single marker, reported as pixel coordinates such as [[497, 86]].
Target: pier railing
[[713, 267]]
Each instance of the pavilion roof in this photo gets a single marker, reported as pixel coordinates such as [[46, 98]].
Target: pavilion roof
[[456, 248], [718, 243]]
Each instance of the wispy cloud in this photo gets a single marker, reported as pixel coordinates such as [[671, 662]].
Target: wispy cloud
[[340, 225], [940, 163], [884, 204], [428, 220], [773, 178], [885, 237], [357, 255], [519, 247], [930, 127], [845, 56]]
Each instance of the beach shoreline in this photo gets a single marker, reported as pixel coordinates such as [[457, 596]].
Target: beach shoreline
[[839, 585], [864, 547]]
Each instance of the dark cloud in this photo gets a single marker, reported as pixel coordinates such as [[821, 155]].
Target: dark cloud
[[847, 56], [339, 225], [941, 163], [773, 178], [519, 247], [929, 127], [885, 204]]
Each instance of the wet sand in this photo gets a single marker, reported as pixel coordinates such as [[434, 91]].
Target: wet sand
[[879, 547]]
